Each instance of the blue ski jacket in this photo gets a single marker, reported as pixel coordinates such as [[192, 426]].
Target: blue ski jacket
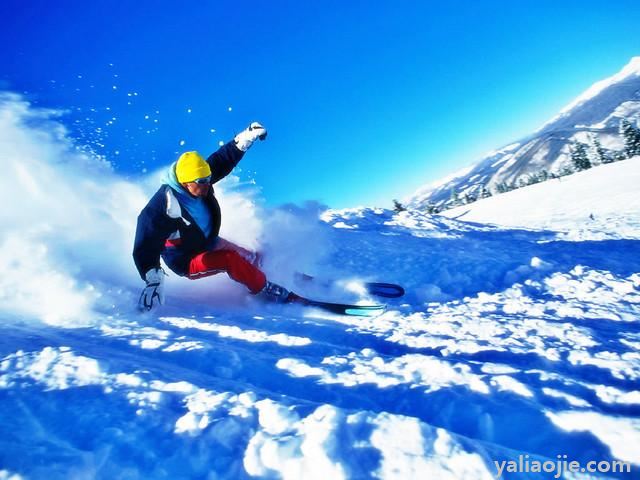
[[166, 229]]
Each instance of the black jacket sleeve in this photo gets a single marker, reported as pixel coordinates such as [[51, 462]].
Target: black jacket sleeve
[[224, 160], [153, 229]]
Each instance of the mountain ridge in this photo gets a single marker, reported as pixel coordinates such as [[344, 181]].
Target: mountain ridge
[[593, 115]]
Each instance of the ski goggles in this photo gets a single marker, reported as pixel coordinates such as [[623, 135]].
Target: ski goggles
[[203, 180]]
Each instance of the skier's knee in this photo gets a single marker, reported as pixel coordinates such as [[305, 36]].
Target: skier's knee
[[232, 258]]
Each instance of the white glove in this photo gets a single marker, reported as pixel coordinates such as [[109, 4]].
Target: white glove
[[246, 137], [153, 294]]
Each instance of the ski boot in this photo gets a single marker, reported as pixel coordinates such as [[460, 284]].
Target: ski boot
[[273, 292]]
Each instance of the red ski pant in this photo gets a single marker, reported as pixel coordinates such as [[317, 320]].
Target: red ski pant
[[230, 258]]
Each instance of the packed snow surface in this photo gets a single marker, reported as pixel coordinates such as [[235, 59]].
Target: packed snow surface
[[511, 340]]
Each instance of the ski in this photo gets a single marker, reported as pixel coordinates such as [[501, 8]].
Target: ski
[[338, 308], [379, 289]]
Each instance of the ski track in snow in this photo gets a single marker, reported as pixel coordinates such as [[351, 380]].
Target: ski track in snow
[[509, 341]]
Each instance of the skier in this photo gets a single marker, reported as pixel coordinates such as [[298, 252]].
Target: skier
[[182, 220]]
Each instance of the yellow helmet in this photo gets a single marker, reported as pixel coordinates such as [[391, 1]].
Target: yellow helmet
[[191, 166]]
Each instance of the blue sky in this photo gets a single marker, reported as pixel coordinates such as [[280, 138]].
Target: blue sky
[[364, 101]]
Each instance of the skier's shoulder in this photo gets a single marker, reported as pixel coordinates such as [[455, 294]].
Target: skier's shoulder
[[164, 202], [159, 199]]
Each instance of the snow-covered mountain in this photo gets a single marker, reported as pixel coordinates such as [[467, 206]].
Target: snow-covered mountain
[[510, 344], [596, 114]]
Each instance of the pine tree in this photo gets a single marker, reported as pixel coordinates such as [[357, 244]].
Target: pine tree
[[619, 156], [453, 198], [579, 156], [631, 137], [501, 187], [534, 178], [398, 207], [565, 170], [432, 209], [600, 153]]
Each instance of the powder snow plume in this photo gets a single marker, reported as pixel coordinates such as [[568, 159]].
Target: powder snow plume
[[67, 219]]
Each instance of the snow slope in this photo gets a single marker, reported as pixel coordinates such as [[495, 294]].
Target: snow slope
[[509, 341], [595, 114], [595, 204]]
